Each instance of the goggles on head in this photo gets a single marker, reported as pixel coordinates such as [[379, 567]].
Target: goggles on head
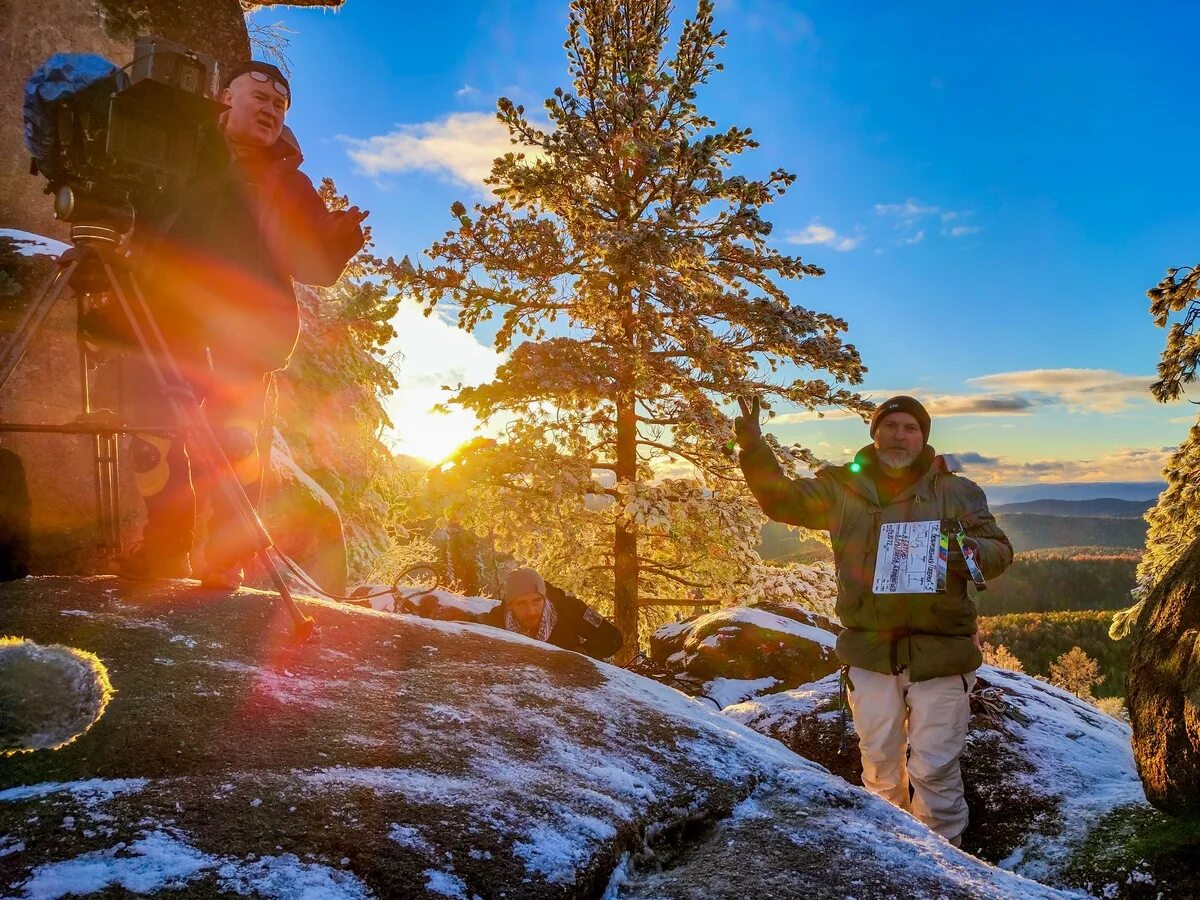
[[264, 78]]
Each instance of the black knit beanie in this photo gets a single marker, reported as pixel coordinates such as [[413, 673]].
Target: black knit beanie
[[901, 403]]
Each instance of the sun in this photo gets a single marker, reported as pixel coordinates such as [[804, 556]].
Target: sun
[[430, 436]]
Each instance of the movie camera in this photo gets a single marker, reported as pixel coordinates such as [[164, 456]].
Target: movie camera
[[118, 142]]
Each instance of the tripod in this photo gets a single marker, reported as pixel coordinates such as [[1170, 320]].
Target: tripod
[[94, 265]]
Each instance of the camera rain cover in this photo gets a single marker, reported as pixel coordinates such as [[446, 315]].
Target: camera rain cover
[[59, 78]]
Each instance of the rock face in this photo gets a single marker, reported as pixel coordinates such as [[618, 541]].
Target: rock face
[[1040, 779], [786, 643], [1164, 689], [45, 389], [402, 757]]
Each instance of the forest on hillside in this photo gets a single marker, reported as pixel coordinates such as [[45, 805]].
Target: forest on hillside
[[1039, 639]]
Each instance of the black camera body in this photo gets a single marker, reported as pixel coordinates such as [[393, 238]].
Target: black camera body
[[127, 144]]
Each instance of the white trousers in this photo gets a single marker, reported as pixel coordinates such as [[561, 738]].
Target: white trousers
[[893, 716]]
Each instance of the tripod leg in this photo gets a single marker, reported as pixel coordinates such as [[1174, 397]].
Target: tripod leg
[[187, 412], [34, 316]]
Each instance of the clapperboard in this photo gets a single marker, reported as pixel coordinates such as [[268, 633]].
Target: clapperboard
[[912, 557]]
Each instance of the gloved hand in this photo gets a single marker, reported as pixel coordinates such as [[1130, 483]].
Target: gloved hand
[[746, 429], [956, 562]]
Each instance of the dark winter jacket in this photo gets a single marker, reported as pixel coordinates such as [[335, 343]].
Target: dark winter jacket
[[930, 635], [579, 627], [221, 268]]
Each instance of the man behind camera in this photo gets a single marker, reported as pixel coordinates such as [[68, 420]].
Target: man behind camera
[[219, 278]]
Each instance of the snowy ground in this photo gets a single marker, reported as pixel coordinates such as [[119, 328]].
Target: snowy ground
[[406, 757], [1074, 761]]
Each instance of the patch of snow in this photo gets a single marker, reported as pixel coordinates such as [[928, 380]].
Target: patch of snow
[[92, 790], [408, 836], [286, 877], [188, 642], [10, 845], [155, 862], [620, 876], [445, 884], [727, 691], [82, 613], [672, 630], [30, 244], [748, 616]]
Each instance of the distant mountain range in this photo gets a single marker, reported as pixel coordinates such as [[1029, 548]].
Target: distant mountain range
[[1033, 531], [1103, 522], [1107, 507], [1116, 490]]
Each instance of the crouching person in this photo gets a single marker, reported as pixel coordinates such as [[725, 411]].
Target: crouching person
[[545, 613]]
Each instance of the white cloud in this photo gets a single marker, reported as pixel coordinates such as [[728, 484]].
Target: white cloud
[[461, 145], [466, 91], [911, 220], [909, 209], [1120, 464], [816, 233], [1080, 390]]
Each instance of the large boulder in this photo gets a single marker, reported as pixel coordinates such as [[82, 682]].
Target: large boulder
[[786, 643], [1048, 778], [403, 757], [1163, 691]]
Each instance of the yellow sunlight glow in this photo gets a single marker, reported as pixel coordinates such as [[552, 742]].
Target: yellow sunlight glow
[[431, 436]]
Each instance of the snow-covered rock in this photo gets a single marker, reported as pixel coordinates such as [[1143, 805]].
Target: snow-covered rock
[[1040, 779], [786, 643], [406, 757]]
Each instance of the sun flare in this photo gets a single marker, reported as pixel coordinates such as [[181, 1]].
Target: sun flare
[[431, 436]]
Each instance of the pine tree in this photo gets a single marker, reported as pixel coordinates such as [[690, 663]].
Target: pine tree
[[1002, 658], [1076, 672], [1173, 519], [637, 270]]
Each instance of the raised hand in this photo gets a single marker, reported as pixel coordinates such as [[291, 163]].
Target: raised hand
[[746, 429]]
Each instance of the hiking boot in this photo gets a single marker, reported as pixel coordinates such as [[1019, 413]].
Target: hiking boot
[[227, 578], [145, 563]]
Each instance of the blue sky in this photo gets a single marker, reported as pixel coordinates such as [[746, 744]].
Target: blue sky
[[991, 189]]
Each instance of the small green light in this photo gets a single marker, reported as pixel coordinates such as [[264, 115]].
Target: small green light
[[855, 467]]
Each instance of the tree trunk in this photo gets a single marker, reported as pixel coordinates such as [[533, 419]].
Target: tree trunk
[[625, 558]]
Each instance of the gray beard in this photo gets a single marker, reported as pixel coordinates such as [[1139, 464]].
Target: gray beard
[[896, 459]]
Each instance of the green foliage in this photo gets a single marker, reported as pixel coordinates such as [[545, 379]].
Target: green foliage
[[1172, 522], [636, 294], [1144, 851], [1048, 584], [1039, 639]]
